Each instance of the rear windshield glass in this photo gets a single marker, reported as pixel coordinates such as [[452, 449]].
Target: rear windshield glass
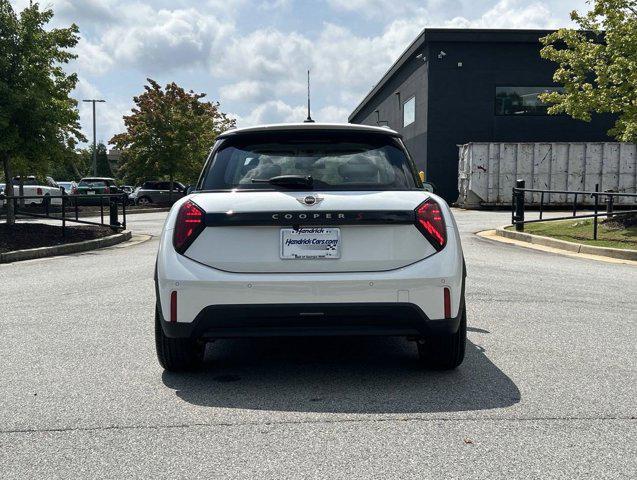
[[334, 160], [92, 183]]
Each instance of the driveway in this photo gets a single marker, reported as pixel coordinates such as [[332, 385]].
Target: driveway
[[547, 389]]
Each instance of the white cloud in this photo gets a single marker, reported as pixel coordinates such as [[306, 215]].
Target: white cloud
[[275, 4], [265, 55], [247, 90], [165, 39], [510, 14], [270, 65], [278, 111], [85, 89], [92, 59], [265, 65], [273, 111], [377, 8], [81, 12], [332, 114]]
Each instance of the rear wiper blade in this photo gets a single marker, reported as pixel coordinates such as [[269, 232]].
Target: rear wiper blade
[[287, 180]]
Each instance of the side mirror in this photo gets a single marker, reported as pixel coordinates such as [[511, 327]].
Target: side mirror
[[428, 187], [189, 189]]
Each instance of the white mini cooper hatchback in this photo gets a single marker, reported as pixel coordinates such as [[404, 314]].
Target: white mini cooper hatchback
[[310, 229]]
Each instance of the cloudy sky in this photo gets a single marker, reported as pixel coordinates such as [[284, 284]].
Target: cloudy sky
[[252, 55]]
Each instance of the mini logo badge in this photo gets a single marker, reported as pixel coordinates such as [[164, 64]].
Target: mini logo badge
[[310, 200]]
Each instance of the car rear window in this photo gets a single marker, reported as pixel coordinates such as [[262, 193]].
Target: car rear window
[[335, 160], [92, 183]]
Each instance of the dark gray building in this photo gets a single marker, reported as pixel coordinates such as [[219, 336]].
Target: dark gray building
[[454, 86]]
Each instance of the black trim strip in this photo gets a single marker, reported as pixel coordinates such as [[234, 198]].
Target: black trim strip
[[285, 320], [311, 217]]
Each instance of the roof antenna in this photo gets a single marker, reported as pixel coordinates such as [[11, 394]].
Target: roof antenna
[[309, 115]]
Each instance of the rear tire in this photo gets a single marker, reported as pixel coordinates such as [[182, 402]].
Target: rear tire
[[176, 354], [144, 201], [444, 352]]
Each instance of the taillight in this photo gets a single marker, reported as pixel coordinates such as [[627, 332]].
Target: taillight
[[107, 190], [431, 223], [190, 223], [38, 191]]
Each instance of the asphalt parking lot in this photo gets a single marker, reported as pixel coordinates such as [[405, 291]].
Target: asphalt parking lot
[[547, 389]]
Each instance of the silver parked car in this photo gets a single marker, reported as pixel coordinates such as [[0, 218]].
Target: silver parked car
[[70, 187], [158, 193]]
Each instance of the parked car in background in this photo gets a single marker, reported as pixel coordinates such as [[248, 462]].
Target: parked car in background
[[70, 188], [129, 191], [44, 189], [96, 186], [158, 192]]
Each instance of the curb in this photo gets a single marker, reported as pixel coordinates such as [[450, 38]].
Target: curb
[[568, 246], [66, 249]]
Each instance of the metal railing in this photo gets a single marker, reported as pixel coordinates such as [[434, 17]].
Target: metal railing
[[518, 206], [70, 206]]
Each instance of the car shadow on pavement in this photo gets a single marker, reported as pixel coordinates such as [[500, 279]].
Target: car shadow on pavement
[[339, 375]]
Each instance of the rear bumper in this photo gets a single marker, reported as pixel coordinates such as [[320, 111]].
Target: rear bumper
[[198, 286], [285, 320]]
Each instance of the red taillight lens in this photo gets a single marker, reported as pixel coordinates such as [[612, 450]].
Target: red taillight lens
[[190, 223], [38, 191], [107, 190], [431, 223]]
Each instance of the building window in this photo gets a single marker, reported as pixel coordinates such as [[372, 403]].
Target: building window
[[409, 111], [522, 100]]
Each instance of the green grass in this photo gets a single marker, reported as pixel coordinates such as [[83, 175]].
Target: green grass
[[581, 231]]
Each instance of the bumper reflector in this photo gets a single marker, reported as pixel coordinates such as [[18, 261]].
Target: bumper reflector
[[173, 306], [447, 299]]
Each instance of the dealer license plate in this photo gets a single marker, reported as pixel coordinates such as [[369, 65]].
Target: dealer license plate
[[310, 243]]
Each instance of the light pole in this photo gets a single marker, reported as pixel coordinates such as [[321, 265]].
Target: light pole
[[94, 101]]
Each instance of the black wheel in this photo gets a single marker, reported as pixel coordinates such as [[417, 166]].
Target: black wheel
[[444, 352], [176, 354]]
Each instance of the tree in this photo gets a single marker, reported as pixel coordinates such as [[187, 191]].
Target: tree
[[168, 134], [597, 66], [72, 164], [103, 168], [38, 118]]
